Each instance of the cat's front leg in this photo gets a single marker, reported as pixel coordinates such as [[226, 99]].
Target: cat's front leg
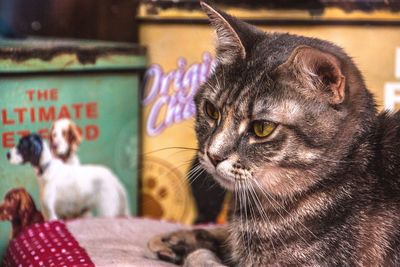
[[203, 258], [176, 246]]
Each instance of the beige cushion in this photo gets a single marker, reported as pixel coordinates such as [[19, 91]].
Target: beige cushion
[[119, 242]]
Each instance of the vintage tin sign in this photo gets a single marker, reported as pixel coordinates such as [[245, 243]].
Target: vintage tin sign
[[94, 84]]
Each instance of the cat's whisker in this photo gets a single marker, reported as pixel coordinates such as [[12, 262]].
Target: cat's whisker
[[247, 221], [246, 218], [263, 214], [179, 152], [186, 162], [235, 197], [223, 75], [192, 175], [213, 186], [247, 235], [253, 212], [181, 181], [242, 221], [236, 206], [288, 223], [195, 175], [195, 168], [169, 148], [265, 193]]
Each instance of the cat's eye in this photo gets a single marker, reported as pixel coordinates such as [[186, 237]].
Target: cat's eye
[[211, 111], [263, 129]]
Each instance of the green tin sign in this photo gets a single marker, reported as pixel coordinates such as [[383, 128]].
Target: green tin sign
[[103, 100]]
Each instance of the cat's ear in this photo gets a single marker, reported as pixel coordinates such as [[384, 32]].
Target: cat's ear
[[232, 34], [319, 70]]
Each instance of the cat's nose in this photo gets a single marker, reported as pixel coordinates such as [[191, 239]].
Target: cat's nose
[[215, 159]]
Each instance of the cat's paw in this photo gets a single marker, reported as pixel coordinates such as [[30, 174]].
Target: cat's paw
[[202, 258], [176, 246]]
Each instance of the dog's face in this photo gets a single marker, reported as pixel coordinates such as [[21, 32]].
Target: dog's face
[[16, 201], [8, 209], [64, 138], [28, 149]]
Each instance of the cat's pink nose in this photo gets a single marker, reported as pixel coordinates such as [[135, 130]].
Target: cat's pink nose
[[215, 159]]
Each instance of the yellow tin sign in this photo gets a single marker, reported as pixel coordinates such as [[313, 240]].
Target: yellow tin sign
[[180, 45]]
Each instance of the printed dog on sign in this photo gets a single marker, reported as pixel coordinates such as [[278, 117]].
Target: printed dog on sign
[[70, 190], [65, 139], [19, 208]]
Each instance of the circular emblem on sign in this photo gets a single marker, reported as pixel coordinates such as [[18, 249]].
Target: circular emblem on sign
[[164, 191], [126, 150]]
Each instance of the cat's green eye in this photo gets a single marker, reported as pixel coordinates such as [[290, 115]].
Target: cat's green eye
[[263, 128], [211, 111]]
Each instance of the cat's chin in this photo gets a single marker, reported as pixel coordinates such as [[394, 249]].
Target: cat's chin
[[226, 182], [231, 183]]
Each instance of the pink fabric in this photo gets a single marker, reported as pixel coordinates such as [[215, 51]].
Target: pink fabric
[[48, 244], [120, 242]]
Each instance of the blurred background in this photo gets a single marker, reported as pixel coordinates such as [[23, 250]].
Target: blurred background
[[116, 20], [144, 77], [113, 20]]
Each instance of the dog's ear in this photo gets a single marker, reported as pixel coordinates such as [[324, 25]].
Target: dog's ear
[[51, 140], [35, 148], [74, 135], [9, 208], [36, 145], [4, 212], [26, 206]]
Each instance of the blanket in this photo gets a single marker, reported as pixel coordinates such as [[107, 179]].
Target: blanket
[[111, 242]]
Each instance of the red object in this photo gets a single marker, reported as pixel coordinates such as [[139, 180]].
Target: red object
[[47, 244]]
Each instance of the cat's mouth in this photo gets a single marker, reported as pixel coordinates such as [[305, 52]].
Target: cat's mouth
[[225, 174], [231, 182]]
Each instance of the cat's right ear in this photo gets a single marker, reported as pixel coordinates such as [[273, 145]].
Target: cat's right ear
[[233, 36], [319, 71]]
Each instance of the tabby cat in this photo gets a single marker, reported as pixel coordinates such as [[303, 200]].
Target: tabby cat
[[287, 123]]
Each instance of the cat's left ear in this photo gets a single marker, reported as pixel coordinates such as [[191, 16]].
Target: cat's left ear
[[320, 71], [234, 37]]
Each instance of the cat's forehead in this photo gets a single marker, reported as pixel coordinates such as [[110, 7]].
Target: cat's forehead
[[286, 111], [256, 97], [244, 84]]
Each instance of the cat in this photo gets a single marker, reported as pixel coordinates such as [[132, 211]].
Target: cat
[[208, 195], [286, 123]]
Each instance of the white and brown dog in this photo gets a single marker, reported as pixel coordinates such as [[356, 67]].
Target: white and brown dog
[[65, 139], [70, 190]]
